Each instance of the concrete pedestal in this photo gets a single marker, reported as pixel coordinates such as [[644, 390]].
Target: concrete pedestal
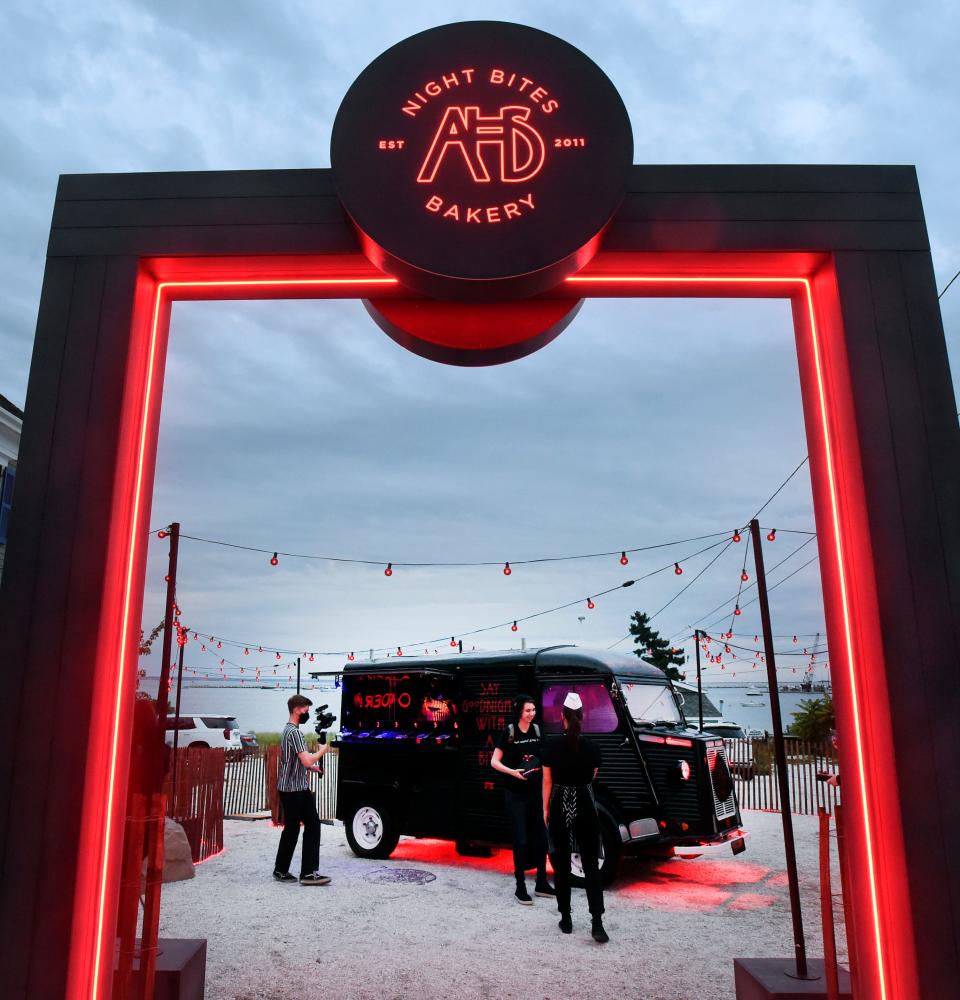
[[774, 979], [181, 969]]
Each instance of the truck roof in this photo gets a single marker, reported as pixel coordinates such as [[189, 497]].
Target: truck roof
[[546, 659]]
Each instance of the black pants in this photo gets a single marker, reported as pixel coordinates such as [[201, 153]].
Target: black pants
[[299, 807], [587, 832], [525, 813]]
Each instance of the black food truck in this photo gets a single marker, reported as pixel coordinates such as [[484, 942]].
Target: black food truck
[[418, 733]]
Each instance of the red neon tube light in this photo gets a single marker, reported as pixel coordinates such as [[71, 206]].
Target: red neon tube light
[[92, 951]]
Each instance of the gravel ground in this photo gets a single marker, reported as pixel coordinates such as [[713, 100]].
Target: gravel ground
[[675, 926]]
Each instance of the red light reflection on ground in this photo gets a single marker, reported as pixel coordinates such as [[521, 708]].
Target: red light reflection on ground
[[751, 901], [443, 852], [695, 885]]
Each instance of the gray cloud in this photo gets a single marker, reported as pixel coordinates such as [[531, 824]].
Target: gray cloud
[[300, 426]]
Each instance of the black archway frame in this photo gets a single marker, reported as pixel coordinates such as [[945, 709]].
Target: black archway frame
[[846, 245]]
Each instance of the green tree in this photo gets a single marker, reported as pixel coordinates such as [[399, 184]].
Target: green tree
[[147, 642], [813, 719], [653, 649]]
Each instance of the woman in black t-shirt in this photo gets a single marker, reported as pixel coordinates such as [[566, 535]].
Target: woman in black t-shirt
[[570, 763], [517, 757]]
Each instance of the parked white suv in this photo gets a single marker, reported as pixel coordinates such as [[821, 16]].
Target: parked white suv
[[221, 731]]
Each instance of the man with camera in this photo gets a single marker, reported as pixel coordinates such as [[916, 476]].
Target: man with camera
[[293, 786]]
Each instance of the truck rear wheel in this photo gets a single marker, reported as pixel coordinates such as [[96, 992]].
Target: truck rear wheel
[[608, 858], [371, 831]]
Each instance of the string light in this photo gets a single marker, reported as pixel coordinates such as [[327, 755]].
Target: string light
[[311, 657], [274, 561], [161, 533], [623, 559], [513, 627], [278, 656], [351, 657], [399, 651], [677, 569], [737, 610], [246, 652], [389, 570], [590, 604], [453, 642], [506, 569], [772, 536], [736, 536], [744, 576]]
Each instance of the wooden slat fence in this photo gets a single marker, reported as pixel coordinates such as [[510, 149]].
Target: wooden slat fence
[[753, 767], [195, 801], [251, 784]]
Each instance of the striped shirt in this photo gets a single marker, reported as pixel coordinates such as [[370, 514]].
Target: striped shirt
[[293, 776]]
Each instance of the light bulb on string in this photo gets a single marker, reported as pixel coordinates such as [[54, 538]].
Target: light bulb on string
[[736, 536], [311, 657], [513, 627], [453, 642], [744, 576], [246, 652], [389, 570], [772, 536], [203, 647], [590, 604], [399, 651], [623, 558], [506, 569], [260, 649], [278, 655], [737, 610], [756, 638], [794, 640], [274, 561], [161, 533], [351, 657], [678, 571], [219, 644]]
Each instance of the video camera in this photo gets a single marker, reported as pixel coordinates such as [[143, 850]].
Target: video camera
[[325, 720]]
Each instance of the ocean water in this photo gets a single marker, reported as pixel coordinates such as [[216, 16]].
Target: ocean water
[[265, 710]]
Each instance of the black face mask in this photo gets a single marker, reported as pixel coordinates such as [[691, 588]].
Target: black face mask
[[303, 716]]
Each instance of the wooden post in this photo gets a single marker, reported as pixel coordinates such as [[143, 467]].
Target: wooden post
[[783, 781], [826, 910]]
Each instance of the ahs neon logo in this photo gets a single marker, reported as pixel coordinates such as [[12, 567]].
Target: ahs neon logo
[[518, 146]]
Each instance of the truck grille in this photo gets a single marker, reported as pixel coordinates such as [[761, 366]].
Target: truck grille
[[725, 808]]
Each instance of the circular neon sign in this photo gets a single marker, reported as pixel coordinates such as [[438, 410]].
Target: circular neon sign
[[481, 160]]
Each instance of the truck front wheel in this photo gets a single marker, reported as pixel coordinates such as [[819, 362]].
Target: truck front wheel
[[371, 831], [609, 856]]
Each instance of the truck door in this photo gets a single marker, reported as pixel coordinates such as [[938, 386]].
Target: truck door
[[486, 700]]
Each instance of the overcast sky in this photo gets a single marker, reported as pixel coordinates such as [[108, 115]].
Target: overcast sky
[[301, 427]]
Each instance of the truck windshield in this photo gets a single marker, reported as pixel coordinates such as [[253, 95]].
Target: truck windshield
[[649, 702]]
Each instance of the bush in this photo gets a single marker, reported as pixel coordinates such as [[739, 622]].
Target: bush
[[763, 756], [309, 737]]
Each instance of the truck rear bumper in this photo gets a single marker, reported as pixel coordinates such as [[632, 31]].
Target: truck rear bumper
[[732, 840]]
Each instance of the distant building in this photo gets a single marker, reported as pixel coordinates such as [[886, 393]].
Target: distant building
[[11, 424]]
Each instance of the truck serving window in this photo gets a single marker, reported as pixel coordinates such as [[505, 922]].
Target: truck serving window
[[405, 702], [599, 715], [649, 702]]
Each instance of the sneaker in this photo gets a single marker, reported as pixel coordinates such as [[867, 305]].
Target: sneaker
[[566, 924], [545, 889], [523, 897], [315, 878], [598, 933], [284, 877]]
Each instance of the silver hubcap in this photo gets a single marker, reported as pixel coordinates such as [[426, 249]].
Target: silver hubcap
[[367, 827]]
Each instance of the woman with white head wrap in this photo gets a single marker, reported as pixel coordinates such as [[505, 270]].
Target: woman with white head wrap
[[570, 763]]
